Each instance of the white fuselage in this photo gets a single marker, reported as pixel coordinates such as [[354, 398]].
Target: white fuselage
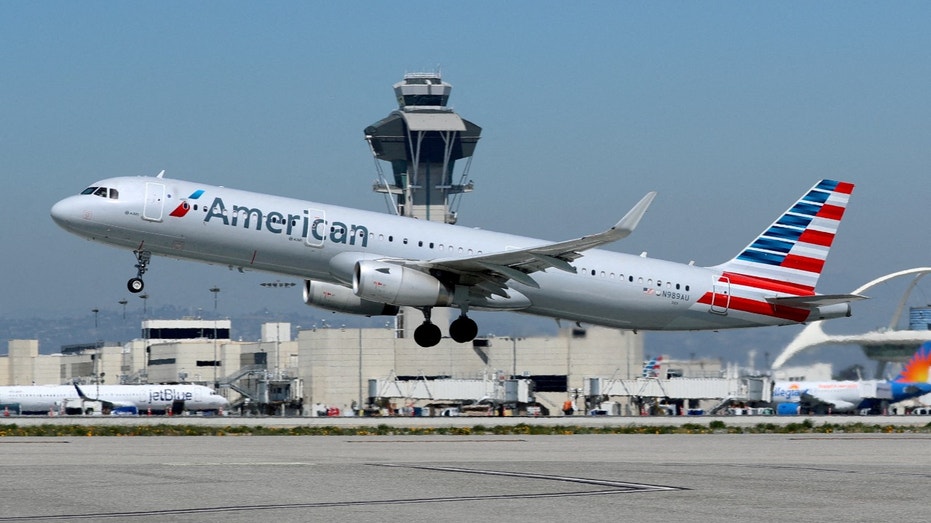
[[320, 242], [43, 398]]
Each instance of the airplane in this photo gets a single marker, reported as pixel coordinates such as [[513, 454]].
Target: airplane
[[849, 395], [369, 263], [40, 399]]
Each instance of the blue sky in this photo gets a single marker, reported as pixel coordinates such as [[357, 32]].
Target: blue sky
[[729, 109]]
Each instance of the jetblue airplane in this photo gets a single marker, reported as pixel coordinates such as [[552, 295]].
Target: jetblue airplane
[[40, 399], [847, 396], [369, 263]]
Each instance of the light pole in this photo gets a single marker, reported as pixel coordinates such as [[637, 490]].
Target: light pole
[[123, 302], [215, 290], [145, 298]]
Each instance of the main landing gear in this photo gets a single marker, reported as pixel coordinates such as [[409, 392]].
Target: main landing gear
[[463, 329], [135, 285]]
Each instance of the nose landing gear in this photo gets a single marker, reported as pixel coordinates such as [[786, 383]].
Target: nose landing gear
[[135, 285]]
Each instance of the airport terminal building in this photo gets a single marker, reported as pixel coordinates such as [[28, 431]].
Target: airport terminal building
[[341, 368]]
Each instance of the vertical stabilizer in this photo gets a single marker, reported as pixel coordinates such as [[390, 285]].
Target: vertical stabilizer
[[916, 370], [792, 251]]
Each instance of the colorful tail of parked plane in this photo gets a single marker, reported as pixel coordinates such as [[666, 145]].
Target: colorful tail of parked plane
[[916, 370]]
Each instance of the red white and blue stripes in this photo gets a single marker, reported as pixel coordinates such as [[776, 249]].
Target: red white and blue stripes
[[790, 254]]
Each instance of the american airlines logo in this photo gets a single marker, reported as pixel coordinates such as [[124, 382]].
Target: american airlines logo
[[296, 226], [184, 206]]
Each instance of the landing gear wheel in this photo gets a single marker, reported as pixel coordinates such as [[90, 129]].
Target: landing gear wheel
[[427, 335], [135, 285], [463, 329]]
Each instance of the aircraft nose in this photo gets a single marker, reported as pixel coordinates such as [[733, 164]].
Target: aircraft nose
[[66, 211]]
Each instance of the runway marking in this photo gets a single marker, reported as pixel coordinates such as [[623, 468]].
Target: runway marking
[[625, 486], [610, 488]]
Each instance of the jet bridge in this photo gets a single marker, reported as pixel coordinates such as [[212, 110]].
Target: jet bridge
[[489, 390], [721, 390]]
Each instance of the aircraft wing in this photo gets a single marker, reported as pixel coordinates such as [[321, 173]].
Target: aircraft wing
[[518, 264]]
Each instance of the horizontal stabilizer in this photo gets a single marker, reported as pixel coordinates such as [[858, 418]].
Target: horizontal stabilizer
[[815, 300]]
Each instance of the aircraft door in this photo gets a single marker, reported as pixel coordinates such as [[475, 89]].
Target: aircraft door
[[720, 295], [154, 202], [317, 228]]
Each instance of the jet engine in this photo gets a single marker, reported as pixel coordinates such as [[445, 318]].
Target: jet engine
[[341, 299], [398, 285]]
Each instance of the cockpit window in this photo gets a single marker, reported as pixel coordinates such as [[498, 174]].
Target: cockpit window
[[103, 192]]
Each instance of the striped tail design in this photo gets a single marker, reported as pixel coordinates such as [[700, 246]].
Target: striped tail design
[[790, 254]]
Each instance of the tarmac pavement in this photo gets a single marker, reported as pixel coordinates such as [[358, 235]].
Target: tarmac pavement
[[708, 477]]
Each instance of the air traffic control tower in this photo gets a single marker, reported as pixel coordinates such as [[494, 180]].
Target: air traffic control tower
[[422, 140]]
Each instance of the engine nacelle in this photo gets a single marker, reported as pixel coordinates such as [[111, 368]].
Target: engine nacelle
[[341, 299], [398, 285]]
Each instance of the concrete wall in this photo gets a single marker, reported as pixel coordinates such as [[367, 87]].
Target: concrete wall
[[24, 365]]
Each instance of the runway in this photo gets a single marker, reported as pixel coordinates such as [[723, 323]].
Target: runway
[[711, 477]]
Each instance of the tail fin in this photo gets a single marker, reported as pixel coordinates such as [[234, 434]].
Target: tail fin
[[791, 252], [916, 370], [80, 392]]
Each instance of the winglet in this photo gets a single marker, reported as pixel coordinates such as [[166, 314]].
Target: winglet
[[161, 174], [629, 222]]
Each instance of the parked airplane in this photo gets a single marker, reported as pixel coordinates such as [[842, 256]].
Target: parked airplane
[[849, 395], [370, 263], [40, 399]]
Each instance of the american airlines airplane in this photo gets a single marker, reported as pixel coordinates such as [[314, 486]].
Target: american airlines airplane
[[40, 399], [369, 263]]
